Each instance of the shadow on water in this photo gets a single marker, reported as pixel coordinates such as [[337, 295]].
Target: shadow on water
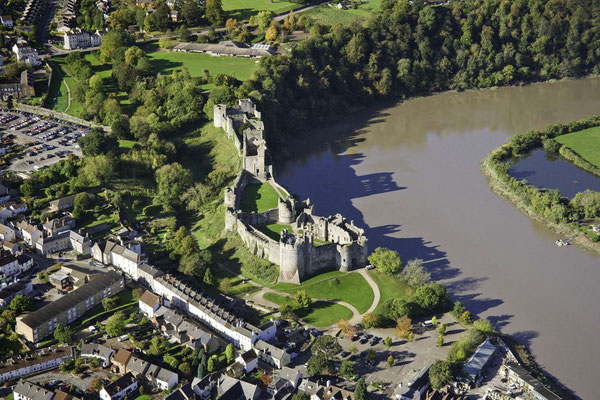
[[330, 148]]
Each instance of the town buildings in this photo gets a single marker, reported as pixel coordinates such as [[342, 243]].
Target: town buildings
[[26, 54], [226, 48], [98, 351], [80, 39], [25, 390], [40, 323], [119, 389], [13, 290], [6, 20], [42, 360]]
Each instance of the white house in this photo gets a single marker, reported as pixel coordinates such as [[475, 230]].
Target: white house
[[149, 303], [13, 290], [272, 354], [286, 379], [25, 390], [81, 39], [28, 232], [98, 351], [18, 208], [248, 360], [34, 363], [9, 265], [7, 234], [165, 379], [27, 55], [119, 256], [117, 390]]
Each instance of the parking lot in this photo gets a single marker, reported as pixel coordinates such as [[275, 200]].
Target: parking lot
[[43, 140]]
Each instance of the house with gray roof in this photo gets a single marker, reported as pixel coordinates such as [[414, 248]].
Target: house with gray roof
[[271, 354], [25, 390], [479, 359], [165, 379], [38, 324], [137, 366], [63, 203], [119, 389], [95, 350], [229, 388], [226, 48], [13, 290], [147, 273], [42, 360], [58, 225]]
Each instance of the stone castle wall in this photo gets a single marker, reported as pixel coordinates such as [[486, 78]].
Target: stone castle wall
[[295, 252]]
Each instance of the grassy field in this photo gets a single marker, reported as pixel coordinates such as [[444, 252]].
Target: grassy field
[[196, 63], [327, 15], [259, 197], [586, 143], [335, 285], [389, 288], [320, 314], [274, 230], [244, 9]]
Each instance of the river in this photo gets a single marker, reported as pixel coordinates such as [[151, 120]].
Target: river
[[409, 174]]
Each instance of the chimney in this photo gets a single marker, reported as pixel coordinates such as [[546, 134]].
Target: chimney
[[328, 383]]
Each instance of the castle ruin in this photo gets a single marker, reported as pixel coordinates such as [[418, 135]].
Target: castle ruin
[[313, 243]]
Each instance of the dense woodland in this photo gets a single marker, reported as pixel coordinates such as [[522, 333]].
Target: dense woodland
[[412, 49]]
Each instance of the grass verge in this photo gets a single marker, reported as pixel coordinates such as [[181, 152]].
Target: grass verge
[[335, 285], [389, 287], [259, 197], [320, 314]]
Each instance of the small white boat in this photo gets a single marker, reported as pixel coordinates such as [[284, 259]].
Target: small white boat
[[561, 242]]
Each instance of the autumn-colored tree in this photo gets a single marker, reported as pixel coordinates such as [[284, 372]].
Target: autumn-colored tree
[[272, 33], [371, 320], [266, 380], [403, 326]]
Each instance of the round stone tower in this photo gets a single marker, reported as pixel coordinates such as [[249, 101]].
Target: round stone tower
[[291, 257], [287, 210]]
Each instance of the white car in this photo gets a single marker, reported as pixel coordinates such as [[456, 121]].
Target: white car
[[92, 328], [370, 266]]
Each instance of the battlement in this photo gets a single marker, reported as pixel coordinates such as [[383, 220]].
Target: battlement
[[340, 243]]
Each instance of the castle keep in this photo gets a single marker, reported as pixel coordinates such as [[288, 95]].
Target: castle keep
[[313, 242]]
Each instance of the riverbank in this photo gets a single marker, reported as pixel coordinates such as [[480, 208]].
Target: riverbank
[[544, 206]]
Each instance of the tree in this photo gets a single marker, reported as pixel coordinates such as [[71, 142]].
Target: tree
[[442, 329], [229, 353], [20, 304], [120, 127], [360, 392], [411, 336], [440, 374], [172, 361], [415, 274], [482, 325], [440, 340], [434, 320], [327, 346], [317, 364], [211, 366], [386, 261], [162, 17], [371, 320], [208, 277], [172, 181], [12, 71], [63, 334], [347, 369], [225, 285], [264, 20], [111, 41], [272, 33], [466, 318], [194, 264], [302, 299], [287, 312], [388, 342], [202, 364], [458, 310], [214, 12], [108, 303], [96, 83], [371, 355], [97, 142], [390, 360], [191, 13], [81, 204], [184, 34], [300, 396], [345, 327], [403, 326], [115, 325]]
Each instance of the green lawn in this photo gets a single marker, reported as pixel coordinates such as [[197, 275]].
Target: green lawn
[[586, 143], [244, 9], [274, 230], [126, 144], [259, 197], [165, 61], [320, 314], [327, 15], [389, 287], [335, 285]]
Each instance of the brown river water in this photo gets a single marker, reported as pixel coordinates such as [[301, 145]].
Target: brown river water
[[409, 174]]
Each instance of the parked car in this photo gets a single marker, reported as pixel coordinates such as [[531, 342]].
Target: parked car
[[344, 354]]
